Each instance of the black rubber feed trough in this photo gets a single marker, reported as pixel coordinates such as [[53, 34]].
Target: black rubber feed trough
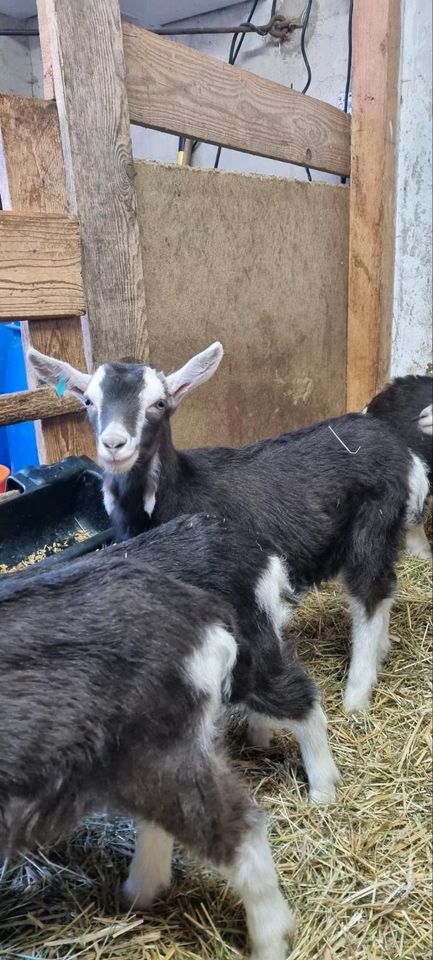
[[57, 504]]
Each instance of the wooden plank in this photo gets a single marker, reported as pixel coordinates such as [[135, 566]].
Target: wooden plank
[[376, 44], [173, 88], [264, 270], [40, 266], [32, 180], [35, 405], [89, 79]]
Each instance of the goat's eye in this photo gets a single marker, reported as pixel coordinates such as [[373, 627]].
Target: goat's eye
[[87, 401], [160, 404]]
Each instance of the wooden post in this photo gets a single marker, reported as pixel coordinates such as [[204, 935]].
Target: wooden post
[[376, 44], [32, 180], [87, 64]]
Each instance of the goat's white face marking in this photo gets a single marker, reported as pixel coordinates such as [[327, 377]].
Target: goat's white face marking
[[94, 390], [122, 399]]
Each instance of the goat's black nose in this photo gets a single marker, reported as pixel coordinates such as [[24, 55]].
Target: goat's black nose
[[114, 444]]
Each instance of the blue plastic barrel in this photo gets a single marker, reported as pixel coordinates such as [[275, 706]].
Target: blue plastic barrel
[[4, 347], [20, 437]]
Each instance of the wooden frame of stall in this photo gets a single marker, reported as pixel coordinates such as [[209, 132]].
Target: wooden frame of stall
[[67, 186]]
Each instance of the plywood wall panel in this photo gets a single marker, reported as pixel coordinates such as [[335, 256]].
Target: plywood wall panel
[[259, 263]]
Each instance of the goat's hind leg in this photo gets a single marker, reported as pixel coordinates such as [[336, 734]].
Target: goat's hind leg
[[150, 870], [225, 829], [368, 573], [416, 541], [370, 647], [290, 701]]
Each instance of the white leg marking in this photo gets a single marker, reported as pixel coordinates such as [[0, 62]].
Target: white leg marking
[[311, 734], [417, 543], [370, 645], [321, 770], [418, 490], [269, 920], [269, 591], [150, 870]]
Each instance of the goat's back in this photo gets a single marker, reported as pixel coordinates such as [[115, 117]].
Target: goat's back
[[301, 490], [96, 674]]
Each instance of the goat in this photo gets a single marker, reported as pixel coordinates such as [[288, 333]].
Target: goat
[[268, 685], [403, 404], [332, 497], [110, 692]]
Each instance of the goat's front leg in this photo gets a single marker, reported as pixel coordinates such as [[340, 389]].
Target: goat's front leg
[[150, 869]]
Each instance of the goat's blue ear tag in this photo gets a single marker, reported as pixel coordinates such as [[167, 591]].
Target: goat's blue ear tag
[[61, 386]]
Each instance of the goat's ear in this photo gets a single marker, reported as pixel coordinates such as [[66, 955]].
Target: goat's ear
[[59, 374], [199, 369]]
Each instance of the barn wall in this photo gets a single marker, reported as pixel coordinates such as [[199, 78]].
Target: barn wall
[[261, 264], [327, 51], [412, 308], [282, 62]]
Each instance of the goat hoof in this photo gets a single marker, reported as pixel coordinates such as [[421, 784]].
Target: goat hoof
[[276, 948], [139, 901], [355, 702], [323, 795]]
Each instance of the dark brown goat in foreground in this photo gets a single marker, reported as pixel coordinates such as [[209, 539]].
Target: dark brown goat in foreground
[[110, 692]]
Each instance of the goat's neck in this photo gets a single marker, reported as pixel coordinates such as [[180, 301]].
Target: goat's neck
[[162, 469]]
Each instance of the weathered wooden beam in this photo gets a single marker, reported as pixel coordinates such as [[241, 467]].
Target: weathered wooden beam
[[32, 180], [86, 52], [32, 177], [35, 405], [40, 266], [376, 45], [173, 88]]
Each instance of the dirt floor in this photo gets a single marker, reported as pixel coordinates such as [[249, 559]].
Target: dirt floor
[[358, 874]]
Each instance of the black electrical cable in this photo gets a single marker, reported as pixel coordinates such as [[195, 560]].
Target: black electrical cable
[[306, 60], [349, 57], [233, 55], [303, 50], [349, 64]]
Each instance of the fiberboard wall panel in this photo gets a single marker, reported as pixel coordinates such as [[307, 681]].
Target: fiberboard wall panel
[[259, 263]]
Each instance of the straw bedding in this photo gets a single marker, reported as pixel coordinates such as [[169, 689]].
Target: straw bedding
[[358, 873]]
